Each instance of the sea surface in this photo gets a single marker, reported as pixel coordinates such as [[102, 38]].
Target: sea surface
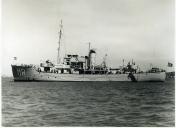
[[88, 103]]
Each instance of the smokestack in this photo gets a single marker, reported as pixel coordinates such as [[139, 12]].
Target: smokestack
[[91, 59]]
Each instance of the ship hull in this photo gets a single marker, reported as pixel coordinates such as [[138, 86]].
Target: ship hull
[[27, 73], [159, 76]]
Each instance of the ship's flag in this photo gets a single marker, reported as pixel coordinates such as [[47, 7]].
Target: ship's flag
[[15, 58], [170, 64]]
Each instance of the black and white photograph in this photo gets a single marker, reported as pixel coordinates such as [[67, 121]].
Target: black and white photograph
[[88, 63]]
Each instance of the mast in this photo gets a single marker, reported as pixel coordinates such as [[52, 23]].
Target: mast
[[89, 47], [104, 61], [60, 36], [123, 62]]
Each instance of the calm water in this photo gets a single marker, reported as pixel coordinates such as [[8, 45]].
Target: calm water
[[87, 103]]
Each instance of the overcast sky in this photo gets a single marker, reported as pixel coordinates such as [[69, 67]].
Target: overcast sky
[[142, 30]]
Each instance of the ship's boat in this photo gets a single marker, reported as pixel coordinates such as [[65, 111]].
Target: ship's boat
[[83, 68]]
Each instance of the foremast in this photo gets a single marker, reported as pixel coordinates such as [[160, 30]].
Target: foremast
[[59, 43]]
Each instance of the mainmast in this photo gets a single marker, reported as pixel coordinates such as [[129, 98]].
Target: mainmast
[[104, 61], [89, 46], [60, 36]]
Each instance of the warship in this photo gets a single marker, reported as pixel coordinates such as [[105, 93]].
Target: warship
[[74, 67]]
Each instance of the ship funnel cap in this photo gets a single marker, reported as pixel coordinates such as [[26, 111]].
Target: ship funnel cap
[[92, 51]]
